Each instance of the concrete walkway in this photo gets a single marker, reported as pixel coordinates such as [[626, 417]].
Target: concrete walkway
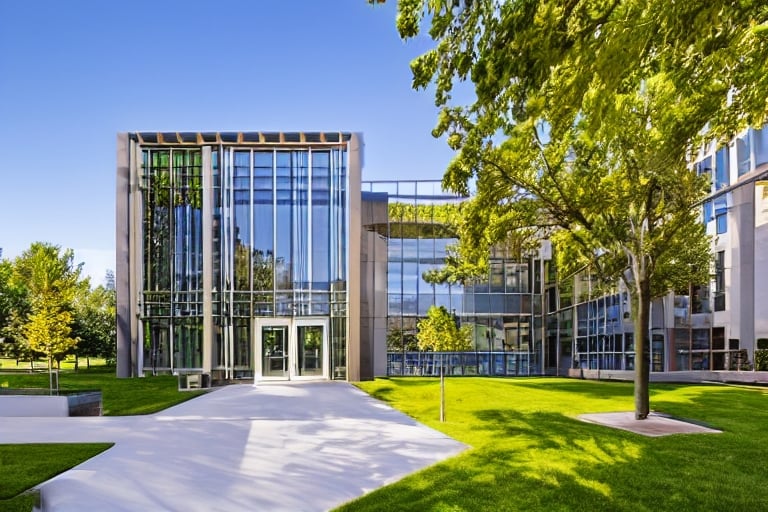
[[277, 446]]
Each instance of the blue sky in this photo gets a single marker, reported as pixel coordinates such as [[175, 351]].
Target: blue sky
[[73, 74]]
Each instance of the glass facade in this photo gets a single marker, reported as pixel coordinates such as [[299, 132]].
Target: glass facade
[[172, 241], [420, 229], [244, 264], [273, 221]]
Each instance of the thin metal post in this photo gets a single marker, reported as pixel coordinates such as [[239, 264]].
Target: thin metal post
[[442, 390]]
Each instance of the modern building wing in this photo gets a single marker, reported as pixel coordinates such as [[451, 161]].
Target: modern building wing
[[416, 224], [263, 255], [234, 254]]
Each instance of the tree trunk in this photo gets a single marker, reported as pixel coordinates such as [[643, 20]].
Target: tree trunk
[[642, 344]]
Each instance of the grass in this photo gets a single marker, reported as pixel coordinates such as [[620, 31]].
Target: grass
[[529, 452], [120, 397], [24, 466]]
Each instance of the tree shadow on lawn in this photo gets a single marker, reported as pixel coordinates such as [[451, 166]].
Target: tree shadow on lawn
[[548, 461], [592, 388], [388, 387], [538, 461], [742, 411], [608, 388]]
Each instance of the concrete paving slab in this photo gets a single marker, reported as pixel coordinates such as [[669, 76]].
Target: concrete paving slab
[[655, 425], [276, 446]]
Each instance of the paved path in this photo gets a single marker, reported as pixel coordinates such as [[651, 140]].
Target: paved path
[[288, 446]]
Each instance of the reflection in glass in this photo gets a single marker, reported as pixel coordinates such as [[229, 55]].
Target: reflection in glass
[[310, 349], [274, 350]]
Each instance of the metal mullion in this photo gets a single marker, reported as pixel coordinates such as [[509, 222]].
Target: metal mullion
[[342, 213], [223, 255], [230, 260], [251, 230], [274, 231], [309, 225], [172, 263], [332, 218]]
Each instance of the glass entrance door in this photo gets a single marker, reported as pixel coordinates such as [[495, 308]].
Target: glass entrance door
[[309, 348], [292, 348], [274, 351]]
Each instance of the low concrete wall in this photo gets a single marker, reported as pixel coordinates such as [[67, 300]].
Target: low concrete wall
[[85, 404], [32, 405], [745, 377], [36, 402]]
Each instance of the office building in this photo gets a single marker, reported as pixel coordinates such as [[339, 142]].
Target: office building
[[234, 254], [263, 255]]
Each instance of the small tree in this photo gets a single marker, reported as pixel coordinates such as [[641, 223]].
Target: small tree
[[439, 332], [50, 280], [48, 330]]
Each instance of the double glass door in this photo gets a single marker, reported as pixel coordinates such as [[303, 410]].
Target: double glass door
[[291, 348]]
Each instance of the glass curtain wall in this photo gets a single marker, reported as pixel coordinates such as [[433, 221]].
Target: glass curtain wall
[[279, 245], [172, 199], [421, 228], [500, 308], [284, 241]]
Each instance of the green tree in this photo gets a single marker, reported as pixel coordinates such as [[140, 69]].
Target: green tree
[[439, 332], [48, 329], [51, 281], [14, 307], [399, 340], [583, 115], [95, 323]]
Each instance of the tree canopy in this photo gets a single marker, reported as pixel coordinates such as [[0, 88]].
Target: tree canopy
[[48, 307], [51, 281], [439, 332], [583, 118]]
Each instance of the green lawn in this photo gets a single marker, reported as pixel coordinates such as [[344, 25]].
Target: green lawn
[[120, 397], [530, 453], [23, 466]]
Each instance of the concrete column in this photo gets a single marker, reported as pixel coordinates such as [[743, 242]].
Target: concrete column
[[122, 257], [743, 238], [207, 259], [355, 159]]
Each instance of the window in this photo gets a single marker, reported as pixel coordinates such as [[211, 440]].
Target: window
[[722, 223], [721, 212], [708, 215], [704, 166], [761, 145], [722, 168], [700, 299], [720, 281], [743, 154]]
